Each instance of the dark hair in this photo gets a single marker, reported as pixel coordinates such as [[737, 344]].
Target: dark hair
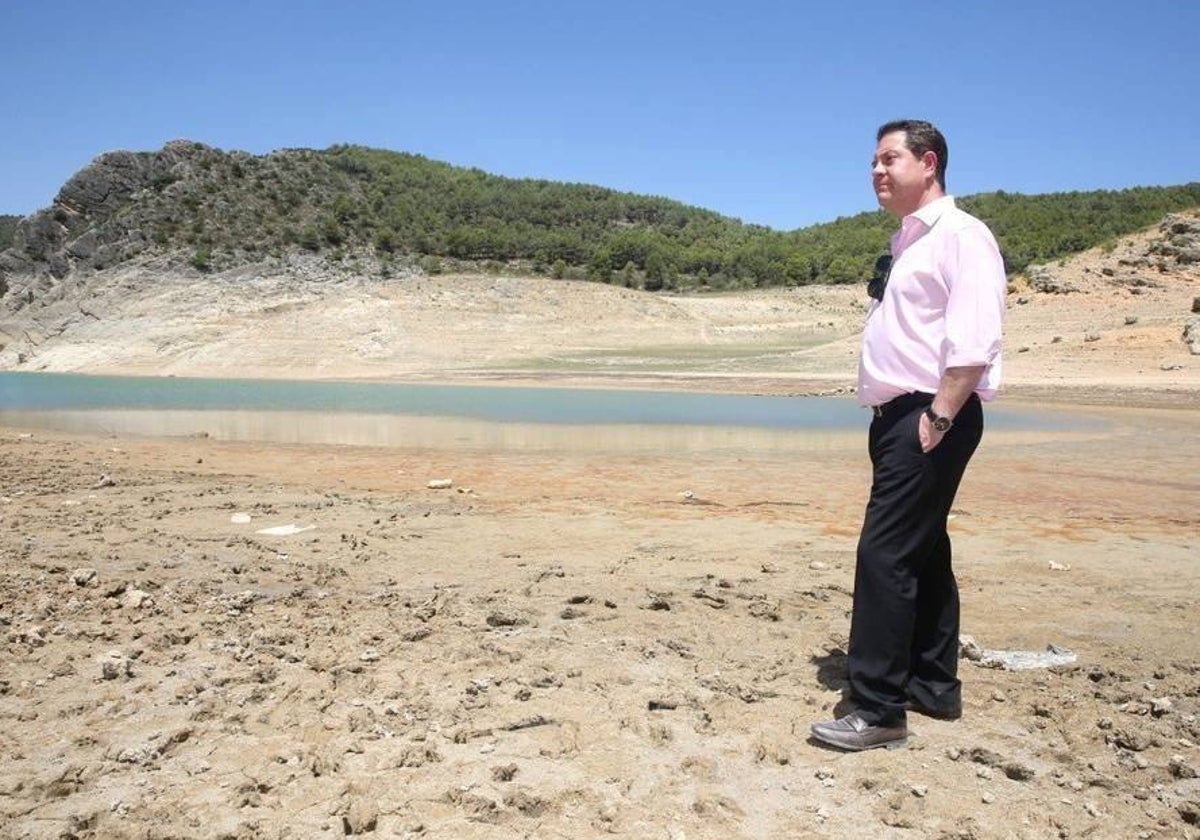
[[920, 137]]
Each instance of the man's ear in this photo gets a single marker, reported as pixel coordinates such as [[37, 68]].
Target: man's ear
[[929, 161]]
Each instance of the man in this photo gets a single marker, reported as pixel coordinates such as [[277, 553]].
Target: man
[[930, 354]]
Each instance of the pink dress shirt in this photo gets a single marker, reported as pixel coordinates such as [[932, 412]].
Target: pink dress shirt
[[943, 307]]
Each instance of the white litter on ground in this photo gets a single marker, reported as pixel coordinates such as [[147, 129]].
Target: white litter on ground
[[1015, 660], [285, 530]]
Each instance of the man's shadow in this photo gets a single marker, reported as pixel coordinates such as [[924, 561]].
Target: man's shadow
[[831, 674]]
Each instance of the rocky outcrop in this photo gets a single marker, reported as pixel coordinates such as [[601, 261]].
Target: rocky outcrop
[[1043, 278], [91, 223], [1181, 239]]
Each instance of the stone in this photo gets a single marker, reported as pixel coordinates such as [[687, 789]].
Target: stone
[[114, 665], [1043, 278], [1191, 335], [361, 817], [84, 577], [135, 599], [1161, 706], [1180, 769]]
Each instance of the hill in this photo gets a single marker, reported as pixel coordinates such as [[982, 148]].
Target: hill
[[373, 212], [1113, 323], [8, 227]]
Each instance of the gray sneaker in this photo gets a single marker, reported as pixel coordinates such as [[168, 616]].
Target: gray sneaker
[[854, 733]]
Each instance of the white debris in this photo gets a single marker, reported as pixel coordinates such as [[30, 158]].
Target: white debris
[[240, 518], [1015, 660], [285, 530]]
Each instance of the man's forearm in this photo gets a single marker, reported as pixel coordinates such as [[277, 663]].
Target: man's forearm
[[956, 387]]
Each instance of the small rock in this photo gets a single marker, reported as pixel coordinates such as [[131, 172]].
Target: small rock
[[823, 773], [499, 619], [818, 566], [988, 798], [369, 655], [135, 599], [1127, 740], [919, 791], [999, 696], [504, 772], [1130, 320], [440, 484], [1161, 706], [1180, 769], [104, 481], [361, 817], [1090, 337], [1059, 567], [83, 577], [240, 518], [115, 664]]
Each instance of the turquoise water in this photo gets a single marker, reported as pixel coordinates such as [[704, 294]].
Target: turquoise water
[[37, 391], [41, 392]]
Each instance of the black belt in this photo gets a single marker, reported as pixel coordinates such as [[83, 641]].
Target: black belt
[[904, 401]]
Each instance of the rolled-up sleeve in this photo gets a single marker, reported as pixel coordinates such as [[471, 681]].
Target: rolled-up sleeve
[[974, 272]]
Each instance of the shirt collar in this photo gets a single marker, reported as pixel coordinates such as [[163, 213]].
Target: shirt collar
[[931, 212]]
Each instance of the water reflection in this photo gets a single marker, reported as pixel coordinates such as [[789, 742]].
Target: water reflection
[[303, 427]]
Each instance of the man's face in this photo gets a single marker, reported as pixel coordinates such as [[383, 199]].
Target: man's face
[[900, 178]]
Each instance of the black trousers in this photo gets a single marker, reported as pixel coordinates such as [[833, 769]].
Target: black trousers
[[904, 630]]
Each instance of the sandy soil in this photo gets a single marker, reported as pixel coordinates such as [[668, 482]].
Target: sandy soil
[[582, 643], [571, 646]]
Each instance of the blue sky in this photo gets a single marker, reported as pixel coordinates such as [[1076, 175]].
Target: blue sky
[[764, 111]]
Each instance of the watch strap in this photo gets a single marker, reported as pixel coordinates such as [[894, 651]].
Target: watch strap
[[941, 423]]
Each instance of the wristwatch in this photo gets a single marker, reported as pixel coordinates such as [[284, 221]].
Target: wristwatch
[[940, 423]]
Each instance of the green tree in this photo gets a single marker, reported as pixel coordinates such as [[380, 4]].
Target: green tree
[[202, 258]]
